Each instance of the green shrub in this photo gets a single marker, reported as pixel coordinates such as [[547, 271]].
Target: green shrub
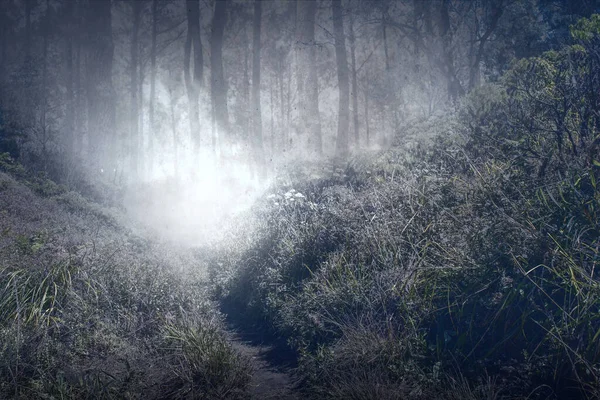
[[207, 366], [469, 262]]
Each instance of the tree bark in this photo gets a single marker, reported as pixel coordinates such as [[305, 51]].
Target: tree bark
[[354, 82], [385, 42], [343, 83], [136, 9], [257, 138], [151, 116], [100, 93], [368, 133], [474, 74], [140, 142], [282, 127], [308, 85], [70, 106], [172, 103], [28, 9], [79, 106], [4, 32], [455, 89], [44, 108], [218, 84], [194, 77], [272, 107], [247, 109]]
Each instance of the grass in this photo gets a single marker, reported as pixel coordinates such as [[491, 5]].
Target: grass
[[462, 263], [208, 364], [462, 267], [422, 287], [90, 310]]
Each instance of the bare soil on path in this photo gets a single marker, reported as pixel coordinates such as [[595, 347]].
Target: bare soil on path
[[273, 365]]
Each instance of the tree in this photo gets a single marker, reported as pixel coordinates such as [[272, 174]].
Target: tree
[[218, 84], [455, 88], [151, 111], [134, 134], [354, 82], [308, 83], [257, 139], [343, 81], [497, 9], [100, 92], [69, 37], [193, 81]]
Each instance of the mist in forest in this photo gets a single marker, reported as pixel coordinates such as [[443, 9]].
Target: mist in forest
[[185, 110], [317, 199]]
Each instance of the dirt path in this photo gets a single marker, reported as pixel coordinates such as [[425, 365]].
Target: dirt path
[[271, 379]]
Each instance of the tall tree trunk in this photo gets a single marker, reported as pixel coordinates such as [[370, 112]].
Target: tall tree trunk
[[301, 66], [391, 101], [100, 93], [194, 77], [218, 84], [385, 42], [283, 131], [394, 90], [28, 33], [152, 121], [474, 73], [288, 104], [272, 107], [172, 102], [257, 138], [29, 93], [70, 106], [343, 83], [136, 9], [4, 32], [247, 110], [368, 133], [79, 107], [354, 82], [141, 140], [44, 108], [308, 84], [455, 89]]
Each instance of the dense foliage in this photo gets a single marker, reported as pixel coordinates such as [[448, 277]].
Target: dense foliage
[[90, 309], [467, 262]]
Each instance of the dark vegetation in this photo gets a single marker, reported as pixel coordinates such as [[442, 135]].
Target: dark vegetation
[[464, 266], [91, 309], [459, 262]]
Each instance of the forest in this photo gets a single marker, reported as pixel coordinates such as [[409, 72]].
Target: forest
[[285, 199]]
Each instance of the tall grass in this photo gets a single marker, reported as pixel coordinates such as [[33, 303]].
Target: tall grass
[[466, 267], [90, 310]]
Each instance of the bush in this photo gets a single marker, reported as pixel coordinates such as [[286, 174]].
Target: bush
[[85, 304], [469, 262], [206, 364]]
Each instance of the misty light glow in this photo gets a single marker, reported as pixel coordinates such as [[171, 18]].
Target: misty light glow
[[195, 208]]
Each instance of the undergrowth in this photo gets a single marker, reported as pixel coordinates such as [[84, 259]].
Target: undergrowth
[[88, 309], [464, 266]]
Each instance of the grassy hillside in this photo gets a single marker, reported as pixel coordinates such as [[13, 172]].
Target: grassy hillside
[[89, 309], [463, 267]]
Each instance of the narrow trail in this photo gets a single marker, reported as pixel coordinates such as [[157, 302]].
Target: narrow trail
[[272, 365]]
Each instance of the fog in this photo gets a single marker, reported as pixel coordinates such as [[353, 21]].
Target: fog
[[186, 110]]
